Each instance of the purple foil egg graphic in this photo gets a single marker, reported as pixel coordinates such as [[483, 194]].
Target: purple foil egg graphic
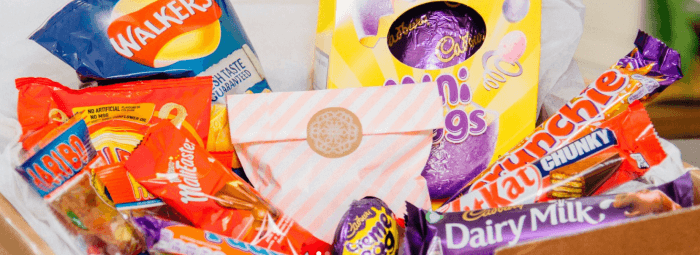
[[515, 10], [366, 15], [436, 35], [451, 165]]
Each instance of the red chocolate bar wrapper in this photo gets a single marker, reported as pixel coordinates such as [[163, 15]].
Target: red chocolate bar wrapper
[[185, 176], [602, 156], [643, 73]]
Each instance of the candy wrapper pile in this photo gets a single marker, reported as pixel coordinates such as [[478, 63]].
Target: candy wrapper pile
[[419, 137]]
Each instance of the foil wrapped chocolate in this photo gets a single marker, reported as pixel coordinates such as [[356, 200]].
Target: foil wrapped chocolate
[[483, 231], [437, 35], [368, 226]]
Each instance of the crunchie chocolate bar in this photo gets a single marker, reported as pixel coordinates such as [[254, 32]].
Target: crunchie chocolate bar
[[647, 70], [601, 157]]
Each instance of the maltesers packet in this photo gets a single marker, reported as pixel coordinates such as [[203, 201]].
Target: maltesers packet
[[171, 166], [483, 231], [643, 73], [483, 55], [119, 40]]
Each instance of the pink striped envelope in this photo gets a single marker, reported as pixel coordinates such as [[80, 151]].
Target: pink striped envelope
[[312, 153]]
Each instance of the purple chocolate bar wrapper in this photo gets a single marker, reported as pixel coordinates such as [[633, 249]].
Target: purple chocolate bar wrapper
[[483, 231], [417, 35], [666, 62], [150, 227]]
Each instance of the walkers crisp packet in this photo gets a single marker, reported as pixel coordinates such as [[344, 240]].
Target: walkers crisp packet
[[484, 56], [128, 39], [312, 153]]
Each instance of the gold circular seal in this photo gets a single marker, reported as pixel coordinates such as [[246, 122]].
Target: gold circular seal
[[334, 132]]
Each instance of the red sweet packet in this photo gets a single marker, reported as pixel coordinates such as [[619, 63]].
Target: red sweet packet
[[130, 105], [185, 176], [603, 155]]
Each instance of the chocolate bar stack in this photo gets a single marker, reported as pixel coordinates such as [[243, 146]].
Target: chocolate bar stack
[[571, 181]]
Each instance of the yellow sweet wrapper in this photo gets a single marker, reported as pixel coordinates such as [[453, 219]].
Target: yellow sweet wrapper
[[219, 134]]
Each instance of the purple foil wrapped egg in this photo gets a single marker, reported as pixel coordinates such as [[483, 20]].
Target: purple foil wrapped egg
[[368, 227], [150, 227], [436, 35], [451, 165]]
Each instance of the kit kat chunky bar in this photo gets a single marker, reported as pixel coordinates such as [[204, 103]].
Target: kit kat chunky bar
[[644, 72], [601, 156], [483, 231]]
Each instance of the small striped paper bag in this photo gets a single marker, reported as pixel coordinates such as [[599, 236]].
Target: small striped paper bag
[[312, 153]]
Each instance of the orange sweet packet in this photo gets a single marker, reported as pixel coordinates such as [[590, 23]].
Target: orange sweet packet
[[127, 108]]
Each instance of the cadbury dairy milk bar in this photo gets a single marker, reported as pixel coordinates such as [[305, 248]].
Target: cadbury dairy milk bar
[[482, 231]]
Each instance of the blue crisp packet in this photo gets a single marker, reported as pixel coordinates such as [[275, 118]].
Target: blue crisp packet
[[60, 160], [137, 39]]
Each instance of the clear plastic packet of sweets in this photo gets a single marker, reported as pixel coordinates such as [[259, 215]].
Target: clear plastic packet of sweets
[[58, 172], [112, 41], [604, 155], [164, 236], [483, 231], [643, 73], [118, 115], [186, 177]]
